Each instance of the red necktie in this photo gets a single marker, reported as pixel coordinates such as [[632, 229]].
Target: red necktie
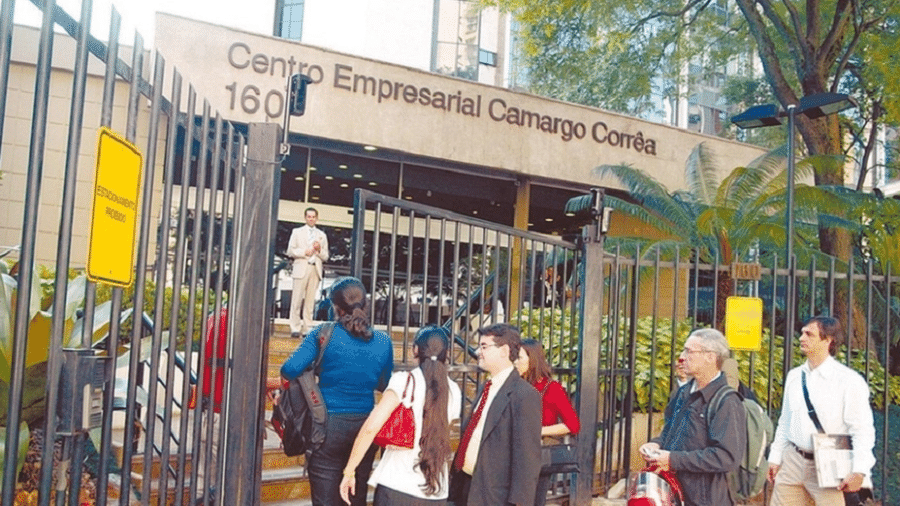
[[464, 442]]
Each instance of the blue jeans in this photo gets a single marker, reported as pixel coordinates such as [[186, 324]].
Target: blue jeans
[[326, 465]]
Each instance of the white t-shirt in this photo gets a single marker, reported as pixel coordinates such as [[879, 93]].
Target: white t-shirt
[[397, 468]]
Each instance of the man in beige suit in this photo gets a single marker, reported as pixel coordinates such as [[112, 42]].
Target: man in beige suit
[[309, 248]]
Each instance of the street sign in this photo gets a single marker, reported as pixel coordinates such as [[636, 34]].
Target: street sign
[[743, 323], [114, 218]]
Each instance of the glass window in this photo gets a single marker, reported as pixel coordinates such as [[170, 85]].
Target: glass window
[[292, 19], [333, 177], [293, 175], [481, 197], [456, 46], [546, 212]]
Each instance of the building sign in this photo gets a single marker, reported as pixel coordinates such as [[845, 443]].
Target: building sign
[[746, 271], [743, 323], [114, 219], [250, 98]]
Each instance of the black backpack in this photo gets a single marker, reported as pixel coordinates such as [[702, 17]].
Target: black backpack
[[300, 414]]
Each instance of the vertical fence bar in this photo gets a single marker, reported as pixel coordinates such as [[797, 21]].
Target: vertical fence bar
[[27, 244], [7, 9], [141, 276], [64, 244], [162, 242], [177, 283], [589, 366], [251, 319]]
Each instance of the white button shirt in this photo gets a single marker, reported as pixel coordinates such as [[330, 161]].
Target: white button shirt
[[475, 443], [840, 397]]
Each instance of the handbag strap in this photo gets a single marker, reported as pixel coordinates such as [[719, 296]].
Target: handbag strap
[[412, 395], [809, 407]]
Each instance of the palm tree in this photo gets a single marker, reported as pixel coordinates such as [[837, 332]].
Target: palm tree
[[733, 216]]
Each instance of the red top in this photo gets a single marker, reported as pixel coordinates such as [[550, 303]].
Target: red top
[[556, 406], [209, 386]]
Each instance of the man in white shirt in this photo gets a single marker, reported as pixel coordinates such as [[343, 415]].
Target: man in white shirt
[[840, 397], [499, 456], [308, 247]]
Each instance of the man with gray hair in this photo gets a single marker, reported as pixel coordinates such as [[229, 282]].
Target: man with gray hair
[[702, 449]]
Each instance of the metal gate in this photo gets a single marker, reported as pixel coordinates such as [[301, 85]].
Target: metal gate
[[425, 265], [612, 316], [105, 375], [651, 297]]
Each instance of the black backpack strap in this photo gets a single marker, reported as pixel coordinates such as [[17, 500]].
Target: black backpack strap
[[809, 407], [325, 332]]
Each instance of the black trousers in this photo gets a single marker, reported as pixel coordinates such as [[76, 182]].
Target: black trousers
[[385, 496], [326, 465]]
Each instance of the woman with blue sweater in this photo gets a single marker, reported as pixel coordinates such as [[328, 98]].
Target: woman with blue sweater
[[357, 361]]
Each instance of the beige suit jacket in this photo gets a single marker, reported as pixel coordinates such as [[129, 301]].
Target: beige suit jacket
[[297, 246]]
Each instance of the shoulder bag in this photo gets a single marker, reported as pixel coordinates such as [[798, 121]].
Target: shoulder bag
[[558, 457], [400, 427]]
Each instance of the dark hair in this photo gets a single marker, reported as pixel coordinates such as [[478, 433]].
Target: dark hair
[[504, 333], [348, 296], [313, 209], [538, 368], [432, 343], [829, 327]]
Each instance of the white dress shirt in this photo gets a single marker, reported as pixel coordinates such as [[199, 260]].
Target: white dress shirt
[[840, 397], [475, 442]]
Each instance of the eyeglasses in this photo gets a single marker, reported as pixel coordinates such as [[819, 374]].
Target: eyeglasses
[[689, 351], [486, 346]]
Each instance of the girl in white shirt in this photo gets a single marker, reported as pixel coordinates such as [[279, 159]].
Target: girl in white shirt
[[420, 475]]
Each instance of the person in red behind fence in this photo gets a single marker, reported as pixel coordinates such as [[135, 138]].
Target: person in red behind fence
[[417, 476], [702, 451], [211, 390], [558, 417]]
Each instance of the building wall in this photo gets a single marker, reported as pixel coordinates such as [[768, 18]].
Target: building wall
[[366, 102], [17, 140]]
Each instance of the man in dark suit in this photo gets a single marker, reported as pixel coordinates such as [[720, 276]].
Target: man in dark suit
[[499, 456]]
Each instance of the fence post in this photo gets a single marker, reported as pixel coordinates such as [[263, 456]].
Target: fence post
[[250, 315], [591, 304]]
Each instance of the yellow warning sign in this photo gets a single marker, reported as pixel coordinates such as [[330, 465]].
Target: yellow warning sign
[[743, 323], [114, 219]]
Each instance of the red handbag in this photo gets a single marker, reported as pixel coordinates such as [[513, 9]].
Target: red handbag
[[400, 427]]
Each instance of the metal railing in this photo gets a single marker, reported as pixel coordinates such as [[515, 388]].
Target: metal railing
[[176, 280]]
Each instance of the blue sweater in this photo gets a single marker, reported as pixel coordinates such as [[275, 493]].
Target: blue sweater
[[351, 368]]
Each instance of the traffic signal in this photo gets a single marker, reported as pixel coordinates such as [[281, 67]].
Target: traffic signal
[[297, 99]]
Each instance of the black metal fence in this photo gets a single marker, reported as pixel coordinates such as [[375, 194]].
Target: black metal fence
[[614, 311], [105, 375]]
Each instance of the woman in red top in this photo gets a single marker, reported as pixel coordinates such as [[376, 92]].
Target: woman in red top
[[559, 417]]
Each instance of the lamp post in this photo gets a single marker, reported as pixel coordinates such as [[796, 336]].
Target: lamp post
[[812, 106]]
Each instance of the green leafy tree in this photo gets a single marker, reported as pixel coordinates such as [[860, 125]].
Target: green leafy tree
[[728, 217], [655, 46]]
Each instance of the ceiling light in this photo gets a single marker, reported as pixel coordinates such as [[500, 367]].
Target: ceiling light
[[312, 169], [342, 166], [357, 176], [373, 183], [370, 148], [298, 178], [329, 178], [548, 219], [316, 187], [344, 185]]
